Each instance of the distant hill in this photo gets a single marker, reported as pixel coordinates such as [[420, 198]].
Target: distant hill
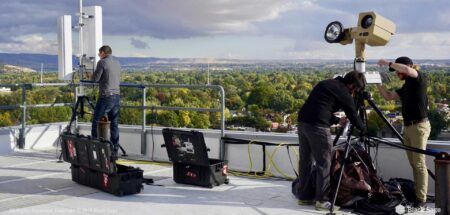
[[14, 69], [50, 62]]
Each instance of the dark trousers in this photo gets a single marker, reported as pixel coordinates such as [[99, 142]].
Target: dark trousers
[[315, 161], [109, 105]]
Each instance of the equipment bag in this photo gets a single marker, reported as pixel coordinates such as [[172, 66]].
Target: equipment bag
[[378, 204]]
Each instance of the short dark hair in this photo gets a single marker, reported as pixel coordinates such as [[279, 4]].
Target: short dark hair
[[105, 49], [356, 78]]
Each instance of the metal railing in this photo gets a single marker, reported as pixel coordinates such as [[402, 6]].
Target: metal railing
[[143, 107]]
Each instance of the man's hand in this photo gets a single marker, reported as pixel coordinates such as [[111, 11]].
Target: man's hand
[[343, 121], [383, 62], [88, 76]]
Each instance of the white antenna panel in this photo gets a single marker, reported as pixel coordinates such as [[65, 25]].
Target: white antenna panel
[[92, 36], [65, 69]]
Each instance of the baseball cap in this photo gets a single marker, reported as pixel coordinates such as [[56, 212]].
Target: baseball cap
[[402, 60]]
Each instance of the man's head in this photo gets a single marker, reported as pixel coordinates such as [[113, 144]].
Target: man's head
[[104, 51], [405, 61], [355, 81]]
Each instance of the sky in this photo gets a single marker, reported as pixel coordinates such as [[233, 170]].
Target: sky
[[231, 29]]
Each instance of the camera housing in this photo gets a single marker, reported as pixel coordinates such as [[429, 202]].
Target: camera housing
[[373, 29]]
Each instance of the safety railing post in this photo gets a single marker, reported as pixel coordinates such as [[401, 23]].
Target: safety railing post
[[143, 133], [21, 141], [222, 123]]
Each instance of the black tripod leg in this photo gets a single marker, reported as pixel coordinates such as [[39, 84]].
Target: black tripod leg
[[124, 153], [60, 157], [344, 161], [378, 111], [338, 135], [74, 115], [90, 103]]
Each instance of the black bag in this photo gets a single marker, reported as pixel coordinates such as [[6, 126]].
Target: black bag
[[407, 188], [359, 179], [378, 204]]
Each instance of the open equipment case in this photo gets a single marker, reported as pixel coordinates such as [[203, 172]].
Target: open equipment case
[[189, 155], [93, 165]]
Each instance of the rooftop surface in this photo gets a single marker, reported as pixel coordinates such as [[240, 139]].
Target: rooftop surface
[[32, 182]]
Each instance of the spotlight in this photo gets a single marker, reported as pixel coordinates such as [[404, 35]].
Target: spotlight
[[334, 32]]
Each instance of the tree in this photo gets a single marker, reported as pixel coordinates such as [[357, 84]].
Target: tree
[[130, 116], [374, 123], [262, 124], [5, 119], [437, 122], [168, 118], [200, 120], [282, 101], [185, 119], [261, 95]]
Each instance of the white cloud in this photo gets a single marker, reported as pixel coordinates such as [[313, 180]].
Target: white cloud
[[422, 26], [139, 44], [33, 43], [181, 18]]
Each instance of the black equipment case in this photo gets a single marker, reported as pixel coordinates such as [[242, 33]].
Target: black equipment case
[[93, 165], [189, 155]]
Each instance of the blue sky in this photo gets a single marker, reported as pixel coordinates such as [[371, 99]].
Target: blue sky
[[236, 29]]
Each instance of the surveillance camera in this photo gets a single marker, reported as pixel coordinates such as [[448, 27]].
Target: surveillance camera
[[373, 29]]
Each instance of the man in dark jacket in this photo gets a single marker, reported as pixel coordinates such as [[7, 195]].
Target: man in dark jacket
[[107, 74], [315, 118]]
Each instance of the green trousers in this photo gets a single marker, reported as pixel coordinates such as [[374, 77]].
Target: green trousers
[[416, 136]]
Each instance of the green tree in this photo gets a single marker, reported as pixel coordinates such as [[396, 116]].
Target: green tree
[[168, 118], [200, 120], [5, 119], [261, 95], [261, 124], [374, 123], [437, 122]]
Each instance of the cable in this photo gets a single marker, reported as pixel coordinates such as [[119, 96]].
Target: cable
[[271, 162], [290, 161], [270, 156]]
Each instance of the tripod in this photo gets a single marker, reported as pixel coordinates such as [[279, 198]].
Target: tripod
[[78, 105], [78, 110], [360, 98], [349, 127]]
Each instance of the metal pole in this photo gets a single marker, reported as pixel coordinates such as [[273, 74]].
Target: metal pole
[[80, 34], [222, 122], [143, 133], [23, 123], [208, 73], [76, 115], [42, 69], [80, 48]]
